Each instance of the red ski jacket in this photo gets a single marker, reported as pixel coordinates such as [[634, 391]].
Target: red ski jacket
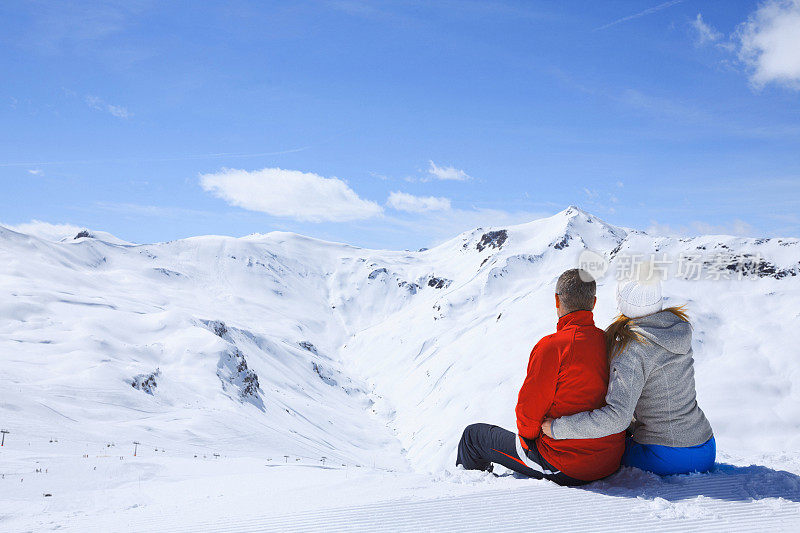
[[567, 374]]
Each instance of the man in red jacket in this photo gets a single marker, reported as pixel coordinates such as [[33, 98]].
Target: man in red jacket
[[567, 373]]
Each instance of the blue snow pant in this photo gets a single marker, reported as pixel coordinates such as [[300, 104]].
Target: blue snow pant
[[668, 460], [484, 444]]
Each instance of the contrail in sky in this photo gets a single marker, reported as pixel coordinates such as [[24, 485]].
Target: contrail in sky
[[653, 9]]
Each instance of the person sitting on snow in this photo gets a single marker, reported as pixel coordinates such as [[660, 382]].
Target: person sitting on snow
[[652, 382], [568, 373]]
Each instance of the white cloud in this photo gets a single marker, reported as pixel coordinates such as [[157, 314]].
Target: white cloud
[[416, 204], [46, 230], [303, 196], [770, 43], [601, 201], [153, 211], [95, 102], [705, 33], [664, 230], [736, 227], [381, 177], [440, 226], [447, 173], [36, 171]]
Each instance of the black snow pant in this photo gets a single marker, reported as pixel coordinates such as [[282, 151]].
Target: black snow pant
[[484, 444]]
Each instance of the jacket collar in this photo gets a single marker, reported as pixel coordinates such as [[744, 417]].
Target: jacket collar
[[575, 318]]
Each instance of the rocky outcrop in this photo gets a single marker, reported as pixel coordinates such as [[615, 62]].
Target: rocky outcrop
[[146, 382], [236, 377], [439, 283], [492, 239]]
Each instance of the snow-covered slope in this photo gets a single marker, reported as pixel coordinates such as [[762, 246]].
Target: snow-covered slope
[[279, 344]]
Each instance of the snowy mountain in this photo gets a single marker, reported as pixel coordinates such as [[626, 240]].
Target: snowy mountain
[[281, 345], [284, 344]]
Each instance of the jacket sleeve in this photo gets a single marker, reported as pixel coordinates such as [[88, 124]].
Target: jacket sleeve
[[538, 390], [624, 389]]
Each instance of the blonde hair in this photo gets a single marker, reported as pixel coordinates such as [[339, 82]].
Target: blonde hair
[[619, 333]]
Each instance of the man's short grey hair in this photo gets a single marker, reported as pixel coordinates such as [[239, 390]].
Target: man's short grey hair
[[574, 293]]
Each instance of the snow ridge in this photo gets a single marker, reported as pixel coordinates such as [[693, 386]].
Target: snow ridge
[[291, 344]]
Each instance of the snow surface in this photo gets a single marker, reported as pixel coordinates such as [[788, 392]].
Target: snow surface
[[238, 364]]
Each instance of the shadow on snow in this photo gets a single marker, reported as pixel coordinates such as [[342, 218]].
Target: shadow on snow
[[725, 482]]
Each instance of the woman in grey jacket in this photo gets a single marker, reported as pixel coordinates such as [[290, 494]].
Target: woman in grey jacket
[[651, 390]]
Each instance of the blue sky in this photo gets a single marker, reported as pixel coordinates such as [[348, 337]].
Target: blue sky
[[399, 124]]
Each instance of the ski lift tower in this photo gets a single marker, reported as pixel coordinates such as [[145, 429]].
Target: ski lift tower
[[3, 441]]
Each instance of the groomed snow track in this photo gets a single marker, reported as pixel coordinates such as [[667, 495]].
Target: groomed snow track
[[543, 507]]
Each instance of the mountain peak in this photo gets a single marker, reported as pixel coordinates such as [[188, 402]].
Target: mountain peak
[[573, 211]]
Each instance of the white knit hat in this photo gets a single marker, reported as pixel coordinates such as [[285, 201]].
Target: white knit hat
[[640, 296]]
